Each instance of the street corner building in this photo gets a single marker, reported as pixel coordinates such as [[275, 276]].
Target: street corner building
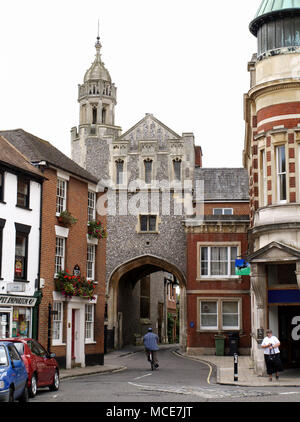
[[272, 157], [218, 300], [20, 224], [69, 283]]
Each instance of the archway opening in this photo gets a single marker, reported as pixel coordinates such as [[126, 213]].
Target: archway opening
[[143, 292]]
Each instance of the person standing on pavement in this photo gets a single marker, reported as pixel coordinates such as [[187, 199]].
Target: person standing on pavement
[[271, 345], [151, 345]]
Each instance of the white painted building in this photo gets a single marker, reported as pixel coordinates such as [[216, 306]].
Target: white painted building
[[20, 210]]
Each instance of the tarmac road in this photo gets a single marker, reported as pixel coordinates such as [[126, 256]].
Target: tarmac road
[[177, 380]]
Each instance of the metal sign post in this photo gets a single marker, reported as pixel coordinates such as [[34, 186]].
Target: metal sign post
[[236, 360]]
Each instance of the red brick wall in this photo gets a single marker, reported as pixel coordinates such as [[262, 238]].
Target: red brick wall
[[206, 339], [76, 253], [239, 208]]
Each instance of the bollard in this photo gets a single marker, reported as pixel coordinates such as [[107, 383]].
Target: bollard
[[236, 360]]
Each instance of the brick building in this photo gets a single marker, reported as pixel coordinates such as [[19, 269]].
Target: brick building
[[218, 301], [272, 157], [77, 324]]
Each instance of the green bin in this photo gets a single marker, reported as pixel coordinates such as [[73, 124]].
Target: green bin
[[220, 344]]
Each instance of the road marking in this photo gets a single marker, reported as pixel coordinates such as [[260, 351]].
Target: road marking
[[143, 376], [197, 360], [291, 392]]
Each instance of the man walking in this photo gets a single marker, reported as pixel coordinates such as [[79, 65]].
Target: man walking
[[151, 345]]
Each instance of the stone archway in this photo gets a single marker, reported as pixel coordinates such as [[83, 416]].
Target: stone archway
[[139, 267]]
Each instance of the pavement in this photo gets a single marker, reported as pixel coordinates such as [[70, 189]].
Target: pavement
[[224, 366]]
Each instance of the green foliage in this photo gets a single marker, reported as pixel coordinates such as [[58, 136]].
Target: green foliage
[[71, 285]]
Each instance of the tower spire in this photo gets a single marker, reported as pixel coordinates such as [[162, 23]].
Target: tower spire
[[98, 43]]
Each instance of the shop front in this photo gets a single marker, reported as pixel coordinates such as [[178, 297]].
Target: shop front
[[16, 316]]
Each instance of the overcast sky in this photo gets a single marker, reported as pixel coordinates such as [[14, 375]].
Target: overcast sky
[[183, 61]]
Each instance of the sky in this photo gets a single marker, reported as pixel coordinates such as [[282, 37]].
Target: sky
[[183, 61]]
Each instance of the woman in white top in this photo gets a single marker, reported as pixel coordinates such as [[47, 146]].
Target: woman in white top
[[271, 345]]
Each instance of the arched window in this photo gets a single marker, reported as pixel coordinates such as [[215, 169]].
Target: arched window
[[103, 115], [119, 172], [177, 169], [94, 115], [148, 170]]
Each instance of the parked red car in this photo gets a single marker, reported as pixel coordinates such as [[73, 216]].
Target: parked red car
[[42, 368]]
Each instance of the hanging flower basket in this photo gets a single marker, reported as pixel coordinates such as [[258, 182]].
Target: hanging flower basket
[[96, 230], [67, 218], [71, 285]]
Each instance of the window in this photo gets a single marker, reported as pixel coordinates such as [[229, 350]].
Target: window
[[91, 206], [2, 186], [218, 261], [57, 322], [230, 315], [209, 315], [148, 171], [61, 196], [223, 211], [145, 298], [21, 322], [89, 323], [281, 173], [3, 357], [263, 183], [119, 170], [37, 348], [148, 223], [90, 270], [23, 192], [94, 115], [13, 354], [177, 169], [21, 255], [220, 314], [59, 255]]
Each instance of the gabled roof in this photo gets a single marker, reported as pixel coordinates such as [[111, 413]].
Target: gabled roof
[[12, 158], [149, 117], [274, 252], [36, 150], [224, 184]]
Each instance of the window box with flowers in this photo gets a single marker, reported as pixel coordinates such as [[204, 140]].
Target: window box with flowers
[[66, 219], [96, 230], [71, 285]]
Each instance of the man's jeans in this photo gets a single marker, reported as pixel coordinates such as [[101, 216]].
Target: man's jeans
[[154, 354]]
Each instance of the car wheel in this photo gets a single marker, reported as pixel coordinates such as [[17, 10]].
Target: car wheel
[[25, 396], [33, 387], [55, 385]]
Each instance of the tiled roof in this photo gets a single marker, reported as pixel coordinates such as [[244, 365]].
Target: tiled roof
[[36, 150], [224, 184], [10, 156]]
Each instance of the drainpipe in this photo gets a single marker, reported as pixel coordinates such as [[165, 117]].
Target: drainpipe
[[38, 293]]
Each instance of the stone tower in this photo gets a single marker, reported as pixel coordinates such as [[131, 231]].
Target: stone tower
[[272, 155], [97, 97]]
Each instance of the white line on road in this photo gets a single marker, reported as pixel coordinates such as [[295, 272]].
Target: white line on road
[[291, 392], [143, 376]]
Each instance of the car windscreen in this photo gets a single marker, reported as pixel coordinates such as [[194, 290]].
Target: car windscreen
[[20, 347], [3, 357]]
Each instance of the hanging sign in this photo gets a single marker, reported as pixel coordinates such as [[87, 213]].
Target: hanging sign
[[242, 267]]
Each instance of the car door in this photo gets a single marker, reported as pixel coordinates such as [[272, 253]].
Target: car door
[[40, 362], [18, 370], [48, 368]]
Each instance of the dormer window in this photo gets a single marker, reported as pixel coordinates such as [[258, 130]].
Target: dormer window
[[148, 170], [177, 169]]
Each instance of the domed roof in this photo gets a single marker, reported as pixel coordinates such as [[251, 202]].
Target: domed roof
[[97, 71], [270, 8]]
